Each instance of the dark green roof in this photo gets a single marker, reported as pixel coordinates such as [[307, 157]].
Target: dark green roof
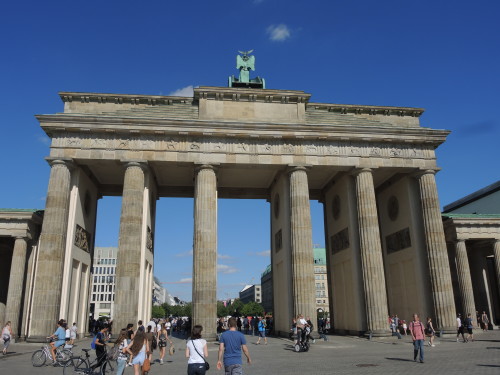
[[20, 209], [472, 216]]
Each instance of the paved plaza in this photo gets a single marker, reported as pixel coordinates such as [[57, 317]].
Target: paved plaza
[[339, 355]]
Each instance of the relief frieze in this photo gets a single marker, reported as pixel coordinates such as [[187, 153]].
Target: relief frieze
[[184, 143]]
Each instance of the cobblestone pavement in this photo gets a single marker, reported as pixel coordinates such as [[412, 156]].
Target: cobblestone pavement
[[339, 355]]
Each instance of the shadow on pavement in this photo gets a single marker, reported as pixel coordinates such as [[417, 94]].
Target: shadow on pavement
[[489, 365], [399, 359]]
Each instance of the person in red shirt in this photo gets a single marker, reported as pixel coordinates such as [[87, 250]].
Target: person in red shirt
[[418, 335]]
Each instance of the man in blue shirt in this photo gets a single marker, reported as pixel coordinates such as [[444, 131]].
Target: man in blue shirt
[[232, 342]]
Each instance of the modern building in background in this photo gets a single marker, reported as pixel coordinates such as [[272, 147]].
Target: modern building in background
[[266, 282], [161, 294], [321, 280], [251, 293], [103, 282]]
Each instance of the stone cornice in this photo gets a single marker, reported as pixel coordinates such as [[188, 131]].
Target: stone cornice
[[251, 95], [367, 109], [53, 124], [89, 97]]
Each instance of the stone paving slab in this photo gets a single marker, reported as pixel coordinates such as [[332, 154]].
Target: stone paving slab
[[339, 355]]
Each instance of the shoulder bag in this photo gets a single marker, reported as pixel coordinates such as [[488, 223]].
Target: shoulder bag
[[207, 365]]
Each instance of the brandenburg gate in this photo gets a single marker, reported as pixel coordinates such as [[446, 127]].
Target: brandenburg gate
[[372, 167]]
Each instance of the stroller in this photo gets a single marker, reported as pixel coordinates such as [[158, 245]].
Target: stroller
[[302, 344]]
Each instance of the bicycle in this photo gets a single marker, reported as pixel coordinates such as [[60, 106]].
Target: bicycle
[[40, 356], [83, 366]]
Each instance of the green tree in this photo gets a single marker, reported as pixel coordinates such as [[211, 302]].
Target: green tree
[[158, 312], [234, 309], [188, 307], [221, 309], [252, 308], [167, 308]]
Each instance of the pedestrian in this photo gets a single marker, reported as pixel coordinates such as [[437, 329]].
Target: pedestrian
[[485, 321], [138, 349], [100, 346], [231, 344], [168, 326], [460, 327], [239, 324], [418, 336], [469, 326], [261, 326], [122, 344], [73, 333], [162, 341], [140, 327], [149, 336], [430, 332], [6, 336], [246, 325], [196, 351]]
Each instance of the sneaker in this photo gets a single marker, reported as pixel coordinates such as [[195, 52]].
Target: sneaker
[[161, 361], [433, 345], [421, 361], [457, 340]]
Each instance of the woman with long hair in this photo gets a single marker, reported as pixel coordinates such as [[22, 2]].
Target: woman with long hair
[[149, 337], [196, 351], [430, 332], [122, 344], [6, 336], [162, 341], [138, 349]]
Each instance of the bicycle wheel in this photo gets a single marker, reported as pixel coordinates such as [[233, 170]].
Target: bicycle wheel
[[107, 368], [63, 356], [76, 366], [38, 358]]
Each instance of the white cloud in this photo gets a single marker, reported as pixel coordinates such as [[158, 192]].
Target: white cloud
[[188, 253], [222, 256], [185, 91], [278, 33], [224, 268]]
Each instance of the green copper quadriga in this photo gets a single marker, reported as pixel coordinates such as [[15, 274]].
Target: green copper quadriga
[[245, 63]]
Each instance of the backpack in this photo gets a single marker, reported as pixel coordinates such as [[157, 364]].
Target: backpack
[[92, 344]]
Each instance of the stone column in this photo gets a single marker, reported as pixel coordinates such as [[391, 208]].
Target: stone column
[[205, 251], [496, 252], [128, 265], [48, 279], [16, 281], [464, 280], [372, 263], [303, 287], [437, 254]]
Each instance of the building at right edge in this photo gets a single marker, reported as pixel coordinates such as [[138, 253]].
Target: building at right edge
[[472, 229]]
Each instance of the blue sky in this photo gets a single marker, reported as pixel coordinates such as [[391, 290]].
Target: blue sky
[[439, 55]]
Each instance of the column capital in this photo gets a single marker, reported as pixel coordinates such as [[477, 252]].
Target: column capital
[[68, 162], [298, 167], [423, 172], [495, 241], [200, 166], [459, 240], [357, 171], [26, 237], [143, 164]]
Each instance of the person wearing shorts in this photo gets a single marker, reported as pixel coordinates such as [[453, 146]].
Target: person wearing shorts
[[6, 337], [468, 325], [231, 344], [262, 330], [60, 336]]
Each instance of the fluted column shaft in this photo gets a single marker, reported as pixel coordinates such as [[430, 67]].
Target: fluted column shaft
[[437, 253], [13, 310], [205, 251], [372, 263], [496, 252], [303, 287], [128, 266], [464, 279], [49, 273]]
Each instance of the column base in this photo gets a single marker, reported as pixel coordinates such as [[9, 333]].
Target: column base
[[36, 339], [447, 332], [378, 333]]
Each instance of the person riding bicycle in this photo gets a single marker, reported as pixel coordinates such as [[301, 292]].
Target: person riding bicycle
[[59, 337]]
